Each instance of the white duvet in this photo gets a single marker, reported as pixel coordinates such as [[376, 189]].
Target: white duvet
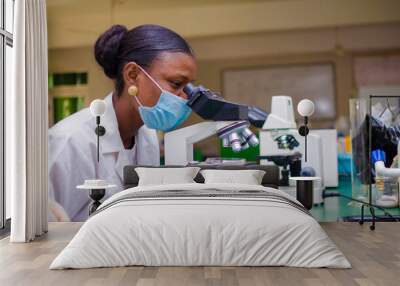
[[200, 231]]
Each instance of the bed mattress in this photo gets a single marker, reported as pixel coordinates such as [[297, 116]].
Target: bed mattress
[[201, 225]]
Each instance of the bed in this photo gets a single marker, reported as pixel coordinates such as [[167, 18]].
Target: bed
[[201, 224]]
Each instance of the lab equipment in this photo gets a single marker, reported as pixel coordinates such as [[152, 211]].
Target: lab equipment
[[178, 144], [218, 161], [279, 124], [385, 181], [291, 165], [211, 106], [374, 146], [230, 121], [287, 141]]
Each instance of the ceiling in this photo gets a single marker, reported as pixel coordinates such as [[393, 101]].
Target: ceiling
[[148, 4], [77, 23]]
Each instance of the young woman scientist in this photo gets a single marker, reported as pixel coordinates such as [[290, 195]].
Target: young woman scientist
[[149, 65]]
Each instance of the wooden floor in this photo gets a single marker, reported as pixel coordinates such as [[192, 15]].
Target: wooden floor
[[375, 257]]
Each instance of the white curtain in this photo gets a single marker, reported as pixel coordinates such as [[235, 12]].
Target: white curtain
[[27, 123]]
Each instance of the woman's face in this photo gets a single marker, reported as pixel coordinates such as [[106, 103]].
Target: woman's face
[[172, 71]]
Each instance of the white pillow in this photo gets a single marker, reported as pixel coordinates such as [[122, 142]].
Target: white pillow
[[248, 177], [166, 176]]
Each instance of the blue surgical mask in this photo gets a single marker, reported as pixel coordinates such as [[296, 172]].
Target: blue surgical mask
[[169, 112]]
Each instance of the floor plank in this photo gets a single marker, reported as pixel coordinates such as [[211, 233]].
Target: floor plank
[[375, 257]]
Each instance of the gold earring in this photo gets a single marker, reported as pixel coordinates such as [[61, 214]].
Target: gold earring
[[133, 90]]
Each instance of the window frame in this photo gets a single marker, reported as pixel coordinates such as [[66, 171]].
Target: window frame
[[6, 39]]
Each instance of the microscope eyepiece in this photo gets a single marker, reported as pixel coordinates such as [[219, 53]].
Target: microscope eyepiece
[[189, 89]]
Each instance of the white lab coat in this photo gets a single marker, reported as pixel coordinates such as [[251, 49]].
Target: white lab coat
[[73, 157]]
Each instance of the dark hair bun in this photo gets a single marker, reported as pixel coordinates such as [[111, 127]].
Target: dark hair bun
[[106, 49], [142, 45]]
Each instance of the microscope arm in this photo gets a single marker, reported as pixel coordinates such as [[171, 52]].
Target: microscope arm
[[179, 143], [210, 106]]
